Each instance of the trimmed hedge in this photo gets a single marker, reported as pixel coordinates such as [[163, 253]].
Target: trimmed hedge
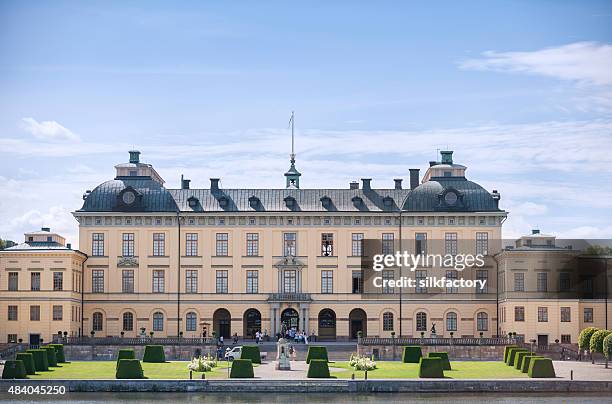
[[584, 339], [597, 339], [526, 361], [129, 369], [512, 354], [242, 369], [318, 369], [14, 369], [154, 354], [41, 363], [541, 367], [28, 362], [126, 354], [431, 368], [251, 352], [518, 358], [507, 351], [317, 352], [444, 356], [411, 354], [51, 357], [59, 352], [607, 347]]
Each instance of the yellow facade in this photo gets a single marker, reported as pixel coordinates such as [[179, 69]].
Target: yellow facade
[[40, 291]]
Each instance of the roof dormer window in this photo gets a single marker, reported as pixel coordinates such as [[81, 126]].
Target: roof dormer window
[[326, 202], [193, 202]]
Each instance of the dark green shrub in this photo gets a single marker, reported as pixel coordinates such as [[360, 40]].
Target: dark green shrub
[[518, 358], [411, 354], [512, 354], [242, 369], [318, 369], [444, 356], [129, 369], [541, 367], [584, 339], [526, 361], [317, 352], [154, 354], [125, 354], [51, 357], [41, 363], [14, 370], [431, 368], [251, 352], [59, 352], [28, 362], [507, 351], [607, 346], [597, 339]]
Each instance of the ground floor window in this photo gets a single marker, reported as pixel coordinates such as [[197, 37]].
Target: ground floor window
[[158, 321], [388, 321]]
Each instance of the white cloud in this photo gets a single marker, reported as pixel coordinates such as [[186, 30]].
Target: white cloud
[[47, 130], [583, 62]]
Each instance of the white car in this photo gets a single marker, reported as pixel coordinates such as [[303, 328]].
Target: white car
[[234, 353]]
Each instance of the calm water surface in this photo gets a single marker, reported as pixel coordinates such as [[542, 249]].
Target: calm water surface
[[312, 398]]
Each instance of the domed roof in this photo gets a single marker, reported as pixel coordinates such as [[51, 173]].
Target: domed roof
[[153, 196], [470, 197]]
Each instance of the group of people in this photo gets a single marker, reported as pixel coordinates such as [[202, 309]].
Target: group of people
[[299, 337], [260, 337]]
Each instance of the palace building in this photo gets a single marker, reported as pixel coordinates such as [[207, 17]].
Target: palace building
[[233, 261], [240, 260]]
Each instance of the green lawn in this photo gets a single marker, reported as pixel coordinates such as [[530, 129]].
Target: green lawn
[[106, 370], [398, 370], [341, 370]]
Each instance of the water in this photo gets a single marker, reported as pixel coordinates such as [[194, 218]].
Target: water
[[310, 398]]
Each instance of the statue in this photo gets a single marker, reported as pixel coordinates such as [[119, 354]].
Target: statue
[[282, 354], [433, 330]]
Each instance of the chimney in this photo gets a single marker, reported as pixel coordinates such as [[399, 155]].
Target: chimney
[[47, 229], [134, 156], [366, 183], [398, 183], [184, 183], [354, 185], [414, 178], [69, 246], [214, 185], [496, 197], [535, 231]]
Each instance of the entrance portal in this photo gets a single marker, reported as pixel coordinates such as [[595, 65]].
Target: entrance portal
[[252, 323], [222, 323], [358, 322], [327, 325], [290, 319]]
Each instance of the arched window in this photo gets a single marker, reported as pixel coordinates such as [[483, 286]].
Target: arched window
[[387, 321], [482, 321], [451, 321], [191, 321], [97, 320], [158, 321], [421, 321], [128, 321]]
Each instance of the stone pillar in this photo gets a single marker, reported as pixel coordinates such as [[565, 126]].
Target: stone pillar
[[306, 319], [277, 317], [272, 325]]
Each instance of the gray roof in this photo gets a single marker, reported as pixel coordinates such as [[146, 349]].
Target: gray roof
[[425, 197], [37, 246], [156, 198]]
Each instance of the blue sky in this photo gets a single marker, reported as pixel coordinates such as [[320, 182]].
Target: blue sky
[[521, 90]]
